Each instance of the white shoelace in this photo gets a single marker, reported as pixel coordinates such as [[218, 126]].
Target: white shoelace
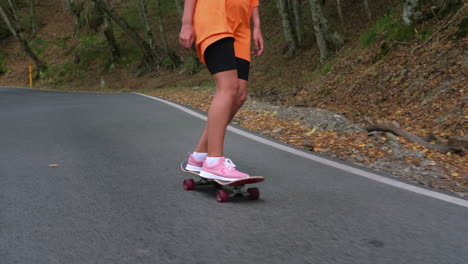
[[229, 163]]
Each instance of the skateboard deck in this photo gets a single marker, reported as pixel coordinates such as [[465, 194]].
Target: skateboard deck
[[223, 195]]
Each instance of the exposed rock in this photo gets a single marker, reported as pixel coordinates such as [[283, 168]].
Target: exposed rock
[[321, 120], [277, 130]]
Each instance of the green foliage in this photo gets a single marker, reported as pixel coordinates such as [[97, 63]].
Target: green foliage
[[3, 66], [388, 28], [325, 91], [4, 32], [368, 38], [47, 74], [39, 46], [57, 74], [129, 52], [168, 7], [91, 48], [398, 31], [383, 22], [426, 34], [62, 42], [192, 65], [166, 61], [320, 70], [327, 67], [462, 29], [384, 50], [65, 69], [131, 16]]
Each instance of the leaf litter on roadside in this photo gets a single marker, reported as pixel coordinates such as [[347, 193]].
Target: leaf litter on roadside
[[358, 148]]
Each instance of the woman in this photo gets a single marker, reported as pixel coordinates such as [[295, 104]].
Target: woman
[[221, 31]]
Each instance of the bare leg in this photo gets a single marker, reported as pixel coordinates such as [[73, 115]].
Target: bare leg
[[238, 102], [219, 113]]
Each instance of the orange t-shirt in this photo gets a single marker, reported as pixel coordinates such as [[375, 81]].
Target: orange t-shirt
[[217, 19]]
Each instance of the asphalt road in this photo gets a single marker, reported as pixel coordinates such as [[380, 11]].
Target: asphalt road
[[117, 195]]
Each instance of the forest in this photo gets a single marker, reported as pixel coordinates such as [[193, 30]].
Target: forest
[[149, 34]]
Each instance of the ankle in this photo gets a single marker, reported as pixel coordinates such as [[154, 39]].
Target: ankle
[[212, 160], [199, 155]]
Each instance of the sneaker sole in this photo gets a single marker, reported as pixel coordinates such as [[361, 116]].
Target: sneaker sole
[[192, 168], [209, 175]]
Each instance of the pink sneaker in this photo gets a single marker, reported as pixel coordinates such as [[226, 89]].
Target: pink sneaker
[[223, 170], [194, 164]]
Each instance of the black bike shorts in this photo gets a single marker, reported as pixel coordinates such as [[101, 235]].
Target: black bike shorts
[[220, 57]]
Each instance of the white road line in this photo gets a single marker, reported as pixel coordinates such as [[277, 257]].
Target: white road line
[[334, 164]]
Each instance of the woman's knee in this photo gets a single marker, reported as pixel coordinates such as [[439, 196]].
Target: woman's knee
[[241, 96], [230, 89], [226, 83]]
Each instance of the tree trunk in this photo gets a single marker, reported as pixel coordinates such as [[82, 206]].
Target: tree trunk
[[66, 5], [412, 13], [109, 33], [76, 9], [195, 62], [368, 11], [180, 7], [287, 28], [340, 12], [24, 44], [32, 9], [174, 60], [110, 37], [397, 130], [13, 11], [299, 26], [144, 19], [151, 59], [327, 39]]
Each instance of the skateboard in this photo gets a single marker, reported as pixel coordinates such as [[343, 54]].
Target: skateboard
[[226, 189]]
